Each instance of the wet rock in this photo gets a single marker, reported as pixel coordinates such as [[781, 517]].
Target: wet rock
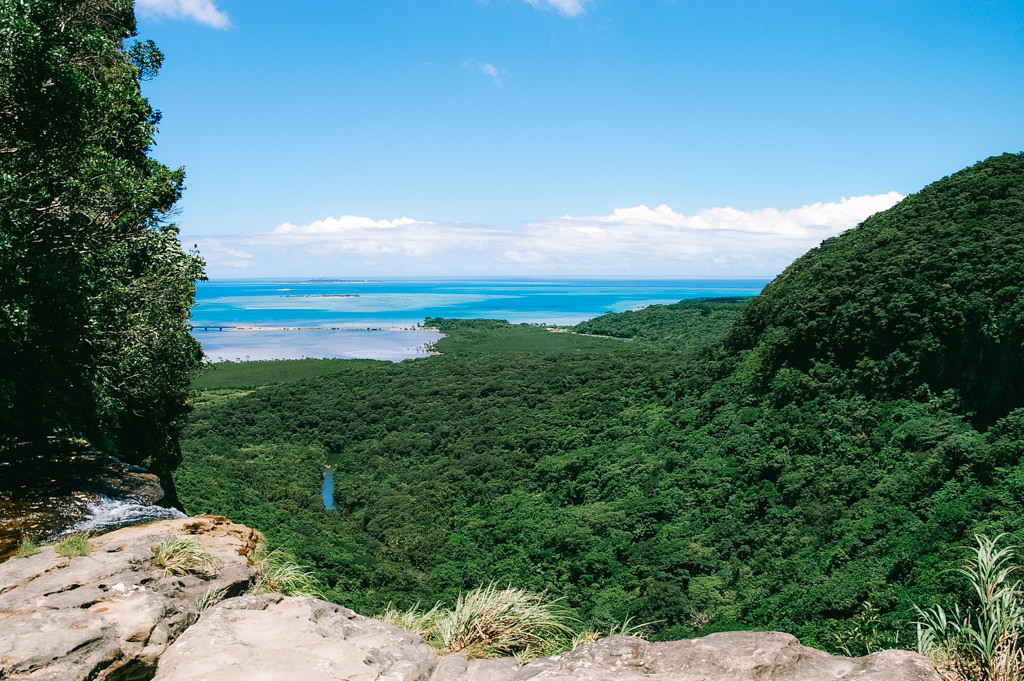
[[111, 614], [49, 487]]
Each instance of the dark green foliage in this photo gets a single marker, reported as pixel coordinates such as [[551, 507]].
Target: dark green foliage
[[794, 477], [490, 336], [254, 374], [924, 297], [94, 287], [686, 325]]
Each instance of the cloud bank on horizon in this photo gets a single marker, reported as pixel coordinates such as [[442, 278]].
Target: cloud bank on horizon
[[636, 241]]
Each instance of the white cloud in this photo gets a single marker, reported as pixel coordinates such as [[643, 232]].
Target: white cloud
[[366, 236], [202, 11], [569, 8], [493, 73], [346, 224], [486, 68], [720, 235], [524, 257], [218, 255], [716, 241]]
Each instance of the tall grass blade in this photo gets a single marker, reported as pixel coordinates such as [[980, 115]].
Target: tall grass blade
[[981, 643]]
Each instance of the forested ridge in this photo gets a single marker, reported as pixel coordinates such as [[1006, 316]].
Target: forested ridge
[[813, 461], [687, 326], [925, 296]]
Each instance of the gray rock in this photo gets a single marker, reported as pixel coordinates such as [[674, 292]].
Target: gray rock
[[274, 637], [111, 614], [500, 669], [279, 637], [731, 656]]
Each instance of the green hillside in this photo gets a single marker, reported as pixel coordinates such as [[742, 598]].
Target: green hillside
[[686, 326], [813, 462], [926, 296]]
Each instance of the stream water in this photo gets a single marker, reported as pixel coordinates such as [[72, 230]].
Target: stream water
[[327, 489], [104, 514]]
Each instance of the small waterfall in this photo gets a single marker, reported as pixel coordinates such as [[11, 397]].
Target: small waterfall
[[104, 514]]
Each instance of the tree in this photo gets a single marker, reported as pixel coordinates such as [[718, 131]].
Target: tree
[[95, 289]]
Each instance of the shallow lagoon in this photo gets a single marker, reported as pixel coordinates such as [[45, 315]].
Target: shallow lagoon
[[260, 319], [252, 345]]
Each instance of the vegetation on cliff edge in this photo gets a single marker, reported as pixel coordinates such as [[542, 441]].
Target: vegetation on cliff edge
[[95, 289]]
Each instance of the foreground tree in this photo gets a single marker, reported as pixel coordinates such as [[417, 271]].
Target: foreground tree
[[95, 289]]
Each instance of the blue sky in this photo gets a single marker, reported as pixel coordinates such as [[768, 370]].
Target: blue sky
[[566, 137]]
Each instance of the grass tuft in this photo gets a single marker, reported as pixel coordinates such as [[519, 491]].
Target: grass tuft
[[422, 623], [211, 598], [280, 573], [627, 628], [27, 548], [73, 545], [492, 622], [184, 556]]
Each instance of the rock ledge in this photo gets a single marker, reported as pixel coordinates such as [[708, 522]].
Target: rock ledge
[[113, 616]]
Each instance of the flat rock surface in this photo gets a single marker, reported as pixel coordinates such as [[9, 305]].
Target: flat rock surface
[[731, 656], [257, 638], [111, 614], [278, 637]]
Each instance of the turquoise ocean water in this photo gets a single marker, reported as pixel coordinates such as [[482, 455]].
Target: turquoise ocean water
[[290, 318]]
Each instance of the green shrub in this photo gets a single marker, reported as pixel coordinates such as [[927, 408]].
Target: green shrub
[[73, 545], [864, 633], [184, 556], [981, 643]]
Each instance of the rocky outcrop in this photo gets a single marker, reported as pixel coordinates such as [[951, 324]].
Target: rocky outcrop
[[114, 616], [111, 614], [732, 656], [275, 637]]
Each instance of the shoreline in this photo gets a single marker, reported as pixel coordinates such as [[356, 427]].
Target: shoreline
[[218, 327]]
